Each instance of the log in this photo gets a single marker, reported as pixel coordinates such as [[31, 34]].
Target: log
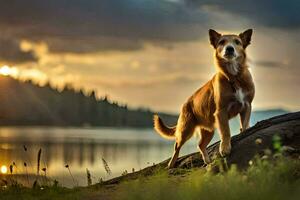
[[251, 142]]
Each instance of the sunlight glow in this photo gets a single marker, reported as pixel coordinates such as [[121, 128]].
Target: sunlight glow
[[3, 169], [34, 74], [9, 71]]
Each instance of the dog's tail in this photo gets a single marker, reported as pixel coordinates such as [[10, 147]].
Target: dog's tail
[[163, 130]]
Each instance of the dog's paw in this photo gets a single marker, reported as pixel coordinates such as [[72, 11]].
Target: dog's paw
[[170, 166], [207, 160], [225, 149]]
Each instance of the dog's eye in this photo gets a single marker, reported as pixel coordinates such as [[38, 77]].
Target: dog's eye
[[221, 42], [237, 42]]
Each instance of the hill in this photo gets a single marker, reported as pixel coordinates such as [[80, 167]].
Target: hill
[[26, 103]]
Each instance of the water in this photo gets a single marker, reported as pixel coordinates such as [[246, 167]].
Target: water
[[123, 149], [82, 148]]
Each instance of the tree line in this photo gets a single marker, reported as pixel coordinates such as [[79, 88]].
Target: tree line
[[26, 103]]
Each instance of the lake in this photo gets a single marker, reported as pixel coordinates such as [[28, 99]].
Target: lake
[[83, 148], [80, 148]]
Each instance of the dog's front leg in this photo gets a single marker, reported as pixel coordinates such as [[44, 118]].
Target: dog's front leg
[[224, 131], [245, 117]]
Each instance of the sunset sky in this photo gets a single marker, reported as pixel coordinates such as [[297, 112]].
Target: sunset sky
[[150, 53]]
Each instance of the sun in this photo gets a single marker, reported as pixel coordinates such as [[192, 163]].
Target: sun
[[8, 71], [3, 169], [5, 70]]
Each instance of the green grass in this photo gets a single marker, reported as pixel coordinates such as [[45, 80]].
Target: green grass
[[19, 193], [264, 179]]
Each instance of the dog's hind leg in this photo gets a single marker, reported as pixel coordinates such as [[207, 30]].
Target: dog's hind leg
[[205, 138], [177, 148], [184, 131]]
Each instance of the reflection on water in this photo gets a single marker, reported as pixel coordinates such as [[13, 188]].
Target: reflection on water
[[123, 149]]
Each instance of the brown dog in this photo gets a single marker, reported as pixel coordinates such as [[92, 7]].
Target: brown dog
[[229, 93]]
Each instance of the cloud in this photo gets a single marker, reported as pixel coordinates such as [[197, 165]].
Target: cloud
[[81, 26], [87, 44], [276, 13], [10, 52], [173, 79], [86, 26]]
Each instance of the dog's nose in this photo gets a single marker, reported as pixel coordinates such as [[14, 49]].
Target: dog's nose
[[229, 50]]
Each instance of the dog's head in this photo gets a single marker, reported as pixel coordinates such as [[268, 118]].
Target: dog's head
[[230, 47]]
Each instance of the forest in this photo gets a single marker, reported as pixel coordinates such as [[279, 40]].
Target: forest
[[27, 103]]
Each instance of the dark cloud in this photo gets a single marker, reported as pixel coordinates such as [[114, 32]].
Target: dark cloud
[[100, 25], [10, 52], [81, 26], [91, 44], [275, 13]]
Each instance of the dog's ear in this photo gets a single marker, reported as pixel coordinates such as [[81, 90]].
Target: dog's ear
[[246, 37], [214, 37]]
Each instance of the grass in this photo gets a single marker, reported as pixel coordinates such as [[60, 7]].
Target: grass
[[274, 179], [22, 193], [272, 176], [25, 179]]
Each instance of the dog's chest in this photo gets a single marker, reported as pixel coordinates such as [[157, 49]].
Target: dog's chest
[[239, 96], [238, 101]]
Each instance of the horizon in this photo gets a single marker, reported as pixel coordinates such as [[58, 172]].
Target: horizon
[[151, 54], [110, 100]]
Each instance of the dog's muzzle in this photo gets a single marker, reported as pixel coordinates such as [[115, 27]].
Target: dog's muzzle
[[229, 52]]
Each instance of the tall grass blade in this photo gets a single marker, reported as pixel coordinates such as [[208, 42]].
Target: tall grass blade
[[74, 182], [89, 177], [106, 167], [39, 161]]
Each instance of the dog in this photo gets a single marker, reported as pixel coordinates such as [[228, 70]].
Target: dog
[[230, 92]]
